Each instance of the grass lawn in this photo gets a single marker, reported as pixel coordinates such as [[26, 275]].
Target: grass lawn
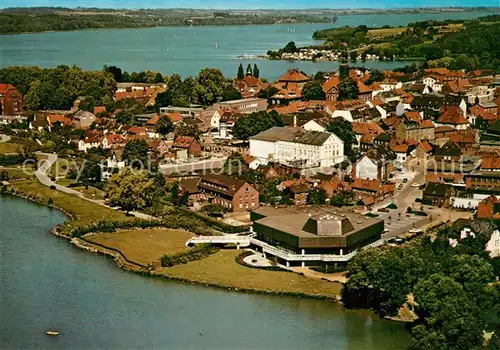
[[145, 246], [84, 211], [385, 32], [8, 147], [16, 174], [222, 269]]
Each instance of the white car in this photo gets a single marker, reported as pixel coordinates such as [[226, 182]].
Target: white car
[[415, 185]]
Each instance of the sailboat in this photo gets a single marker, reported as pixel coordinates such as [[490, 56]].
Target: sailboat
[[53, 332], [216, 44]]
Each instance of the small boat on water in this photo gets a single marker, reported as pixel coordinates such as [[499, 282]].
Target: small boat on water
[[53, 333]]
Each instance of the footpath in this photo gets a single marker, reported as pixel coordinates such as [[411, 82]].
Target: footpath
[[44, 179]]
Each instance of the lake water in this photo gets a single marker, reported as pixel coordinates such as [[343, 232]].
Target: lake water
[[45, 282], [186, 50]]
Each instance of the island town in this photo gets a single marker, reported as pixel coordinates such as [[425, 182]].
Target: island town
[[344, 185]]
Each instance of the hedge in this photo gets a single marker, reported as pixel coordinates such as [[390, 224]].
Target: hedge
[[11, 159], [196, 253]]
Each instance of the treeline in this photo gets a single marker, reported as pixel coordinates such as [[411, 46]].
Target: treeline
[[31, 20], [57, 88], [451, 290], [149, 77]]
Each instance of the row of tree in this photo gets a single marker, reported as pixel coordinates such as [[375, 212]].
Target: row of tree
[[147, 76], [451, 289], [208, 87], [57, 88], [249, 72]]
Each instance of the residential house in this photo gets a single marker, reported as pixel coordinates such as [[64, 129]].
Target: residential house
[[57, 119], [436, 193], [250, 86], [349, 110], [452, 116], [83, 119], [486, 231], [331, 88], [190, 187], [366, 133], [186, 146], [467, 140], [376, 164], [90, 142], [151, 126], [298, 193], [415, 129], [289, 87], [113, 141], [423, 151], [365, 92], [402, 151], [433, 83], [489, 208], [11, 100], [298, 148], [226, 123], [382, 139], [112, 164], [449, 152], [235, 194], [431, 104], [371, 191]]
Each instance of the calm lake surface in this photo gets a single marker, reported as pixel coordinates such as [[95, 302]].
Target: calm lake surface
[[45, 282], [186, 50]]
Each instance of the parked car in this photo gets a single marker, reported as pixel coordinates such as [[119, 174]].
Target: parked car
[[383, 210], [415, 185]]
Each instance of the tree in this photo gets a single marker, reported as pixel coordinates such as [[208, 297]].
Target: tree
[[209, 86], [241, 72], [375, 75], [343, 129], [313, 91], [231, 93], [476, 100], [268, 92], [163, 99], [135, 154], [290, 48], [125, 117], [363, 56], [316, 196], [158, 78], [164, 125], [348, 89], [251, 124], [130, 190], [183, 129], [256, 71], [115, 71], [353, 55], [249, 70], [342, 198]]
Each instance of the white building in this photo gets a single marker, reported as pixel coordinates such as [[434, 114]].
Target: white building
[[434, 84], [492, 246], [296, 147]]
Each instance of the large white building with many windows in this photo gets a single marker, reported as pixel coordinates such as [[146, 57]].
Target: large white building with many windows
[[298, 148]]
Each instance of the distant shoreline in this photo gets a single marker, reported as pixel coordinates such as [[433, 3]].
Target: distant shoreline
[[315, 16]]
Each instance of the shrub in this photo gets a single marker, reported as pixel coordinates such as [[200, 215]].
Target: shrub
[[392, 206], [196, 253], [52, 187]]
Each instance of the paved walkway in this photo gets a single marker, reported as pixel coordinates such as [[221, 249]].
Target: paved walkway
[[41, 175], [332, 277]]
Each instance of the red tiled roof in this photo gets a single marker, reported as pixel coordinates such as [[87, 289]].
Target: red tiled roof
[[99, 109], [363, 89], [6, 87], [183, 141], [364, 184], [332, 82], [452, 115], [175, 117], [153, 120], [377, 102], [58, 118], [491, 162], [362, 128], [426, 146], [486, 208], [137, 130], [294, 75]]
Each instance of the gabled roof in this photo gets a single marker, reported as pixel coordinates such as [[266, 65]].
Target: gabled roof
[[221, 183], [183, 141], [294, 75], [426, 146], [450, 148], [452, 115], [331, 83]]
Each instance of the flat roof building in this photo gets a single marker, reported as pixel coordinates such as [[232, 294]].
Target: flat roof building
[[314, 234]]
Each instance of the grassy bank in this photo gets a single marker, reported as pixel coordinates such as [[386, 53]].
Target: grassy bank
[[8, 147], [144, 246], [82, 211], [222, 270]]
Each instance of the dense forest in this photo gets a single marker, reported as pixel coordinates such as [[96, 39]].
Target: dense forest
[[452, 290], [31, 20], [453, 43]]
